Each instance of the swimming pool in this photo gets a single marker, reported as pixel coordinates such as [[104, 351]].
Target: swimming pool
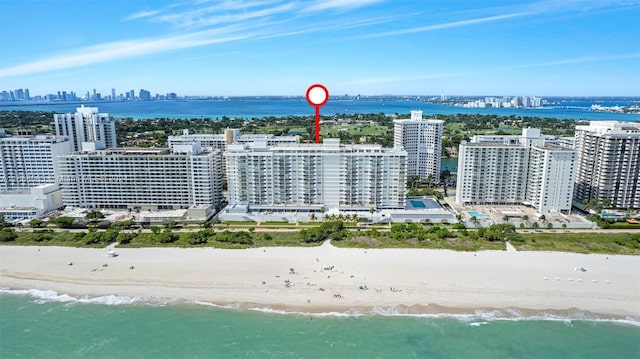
[[418, 204], [478, 214]]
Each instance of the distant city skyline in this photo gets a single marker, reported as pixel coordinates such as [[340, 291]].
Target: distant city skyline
[[367, 47]]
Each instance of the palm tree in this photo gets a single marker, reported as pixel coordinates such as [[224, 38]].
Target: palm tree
[[372, 211], [312, 217], [543, 218], [475, 221], [505, 219]]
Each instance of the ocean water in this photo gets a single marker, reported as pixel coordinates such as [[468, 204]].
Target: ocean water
[[260, 108], [45, 325]]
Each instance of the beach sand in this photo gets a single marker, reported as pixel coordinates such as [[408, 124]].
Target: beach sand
[[394, 280]]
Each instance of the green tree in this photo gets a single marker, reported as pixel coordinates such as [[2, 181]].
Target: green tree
[[94, 216], [64, 222], [36, 223]]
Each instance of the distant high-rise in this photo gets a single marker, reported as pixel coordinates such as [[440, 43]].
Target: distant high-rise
[[113, 94], [30, 161], [422, 139], [609, 163], [86, 128], [145, 95]]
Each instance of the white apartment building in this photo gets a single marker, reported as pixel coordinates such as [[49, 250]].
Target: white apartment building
[[516, 170], [422, 139], [609, 163], [30, 161], [308, 177], [142, 178], [86, 127]]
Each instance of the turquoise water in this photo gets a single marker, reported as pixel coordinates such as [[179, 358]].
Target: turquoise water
[[32, 328], [418, 204], [478, 214]]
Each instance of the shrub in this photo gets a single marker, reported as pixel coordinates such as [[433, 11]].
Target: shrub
[[64, 222], [7, 235]]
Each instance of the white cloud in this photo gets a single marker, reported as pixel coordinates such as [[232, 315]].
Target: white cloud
[[124, 49], [339, 4], [580, 60], [142, 15], [448, 25]]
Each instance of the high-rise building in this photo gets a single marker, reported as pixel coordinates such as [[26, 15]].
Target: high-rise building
[[308, 177], [422, 139], [30, 161], [87, 129], [609, 163], [144, 178], [516, 170]]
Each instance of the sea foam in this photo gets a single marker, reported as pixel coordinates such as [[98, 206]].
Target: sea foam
[[477, 318]]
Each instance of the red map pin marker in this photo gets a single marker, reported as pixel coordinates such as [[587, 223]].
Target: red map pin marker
[[317, 96]]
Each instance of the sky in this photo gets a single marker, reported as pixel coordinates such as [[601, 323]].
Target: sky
[[281, 47]]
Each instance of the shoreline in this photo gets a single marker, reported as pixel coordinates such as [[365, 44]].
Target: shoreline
[[327, 279]]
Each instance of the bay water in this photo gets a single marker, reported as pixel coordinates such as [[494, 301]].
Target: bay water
[[258, 108]]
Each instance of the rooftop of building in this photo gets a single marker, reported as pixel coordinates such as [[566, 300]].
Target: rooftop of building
[[137, 151], [329, 144], [35, 138]]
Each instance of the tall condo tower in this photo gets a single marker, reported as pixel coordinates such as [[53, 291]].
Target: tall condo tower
[[422, 139], [87, 129], [609, 163]]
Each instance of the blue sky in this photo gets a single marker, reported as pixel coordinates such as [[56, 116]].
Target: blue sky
[[265, 47]]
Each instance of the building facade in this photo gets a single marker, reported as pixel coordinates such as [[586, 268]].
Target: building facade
[[30, 161], [609, 163], [137, 178], [516, 170], [422, 139], [310, 177], [23, 205], [86, 126]]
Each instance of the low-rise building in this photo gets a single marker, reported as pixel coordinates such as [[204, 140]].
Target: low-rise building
[[18, 205]]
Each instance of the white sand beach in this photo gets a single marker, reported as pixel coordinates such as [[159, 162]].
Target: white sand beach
[[327, 278]]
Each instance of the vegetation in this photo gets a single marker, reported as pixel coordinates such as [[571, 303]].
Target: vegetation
[[610, 243], [454, 237], [350, 128]]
